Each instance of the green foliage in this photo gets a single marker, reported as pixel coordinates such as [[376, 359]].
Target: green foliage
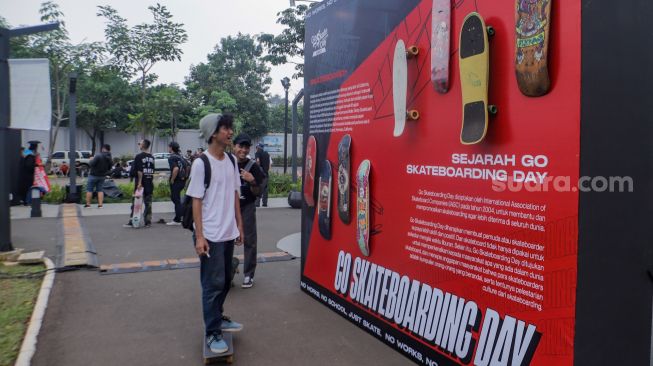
[[277, 114], [161, 189], [57, 194], [282, 48], [279, 184]]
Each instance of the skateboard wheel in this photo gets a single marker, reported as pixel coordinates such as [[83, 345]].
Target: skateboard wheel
[[412, 51], [412, 115], [492, 109], [490, 31]]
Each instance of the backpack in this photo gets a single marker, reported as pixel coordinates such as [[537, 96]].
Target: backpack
[[187, 208], [256, 191], [184, 169]]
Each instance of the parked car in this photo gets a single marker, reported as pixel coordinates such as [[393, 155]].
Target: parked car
[[60, 157]]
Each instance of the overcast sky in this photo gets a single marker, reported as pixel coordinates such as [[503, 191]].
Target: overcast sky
[[205, 21]]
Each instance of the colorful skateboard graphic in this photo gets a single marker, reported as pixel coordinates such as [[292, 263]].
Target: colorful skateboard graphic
[[400, 86], [211, 358], [324, 204], [309, 172], [474, 78], [343, 179], [137, 217], [533, 18], [440, 44], [363, 207]]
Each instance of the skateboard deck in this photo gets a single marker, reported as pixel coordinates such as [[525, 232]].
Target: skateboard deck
[[343, 179], [137, 217], [211, 358], [533, 18], [440, 44], [309, 172], [474, 78], [400, 86], [324, 205], [363, 207]]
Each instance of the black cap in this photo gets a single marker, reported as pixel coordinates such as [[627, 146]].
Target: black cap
[[243, 139]]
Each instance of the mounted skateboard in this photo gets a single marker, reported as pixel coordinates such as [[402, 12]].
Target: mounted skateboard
[[533, 18], [137, 216], [440, 44], [474, 57], [400, 86], [363, 207], [324, 204], [343, 179], [211, 358], [309, 172]]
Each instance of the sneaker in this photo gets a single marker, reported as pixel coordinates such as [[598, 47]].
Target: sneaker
[[229, 325], [87, 206], [148, 224], [248, 282], [216, 344], [173, 223], [100, 206], [129, 224]]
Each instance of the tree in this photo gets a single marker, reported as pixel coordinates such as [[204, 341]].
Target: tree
[[136, 50], [234, 79], [105, 99], [276, 115], [282, 48]]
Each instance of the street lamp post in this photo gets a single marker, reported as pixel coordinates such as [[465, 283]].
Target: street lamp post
[[5, 114], [286, 85]]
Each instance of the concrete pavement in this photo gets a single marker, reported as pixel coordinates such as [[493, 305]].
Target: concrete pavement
[[154, 318]]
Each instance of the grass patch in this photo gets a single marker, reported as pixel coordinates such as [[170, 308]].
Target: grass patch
[[17, 298]]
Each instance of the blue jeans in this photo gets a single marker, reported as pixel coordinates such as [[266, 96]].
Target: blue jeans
[[94, 182], [215, 276]]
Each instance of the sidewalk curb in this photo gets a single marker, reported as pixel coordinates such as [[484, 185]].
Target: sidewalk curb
[[28, 347]]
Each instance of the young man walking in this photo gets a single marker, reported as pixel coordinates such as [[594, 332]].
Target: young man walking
[[100, 168], [218, 225], [263, 160], [143, 172], [251, 179], [178, 174]]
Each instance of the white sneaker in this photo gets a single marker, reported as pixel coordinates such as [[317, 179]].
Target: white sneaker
[[248, 282], [173, 223]]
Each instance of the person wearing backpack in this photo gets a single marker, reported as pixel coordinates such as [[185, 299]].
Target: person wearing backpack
[[251, 184], [217, 224], [179, 171]]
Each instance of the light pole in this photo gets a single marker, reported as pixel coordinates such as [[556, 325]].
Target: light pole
[[5, 113], [286, 85]]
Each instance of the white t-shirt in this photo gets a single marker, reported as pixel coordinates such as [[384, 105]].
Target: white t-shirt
[[218, 211]]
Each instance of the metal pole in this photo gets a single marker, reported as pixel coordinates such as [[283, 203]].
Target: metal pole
[[295, 101], [5, 227], [73, 195], [285, 137]]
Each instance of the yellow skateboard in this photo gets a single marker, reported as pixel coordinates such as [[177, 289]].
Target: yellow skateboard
[[474, 56]]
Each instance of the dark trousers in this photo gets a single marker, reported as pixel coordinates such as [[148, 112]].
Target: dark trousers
[[215, 276], [248, 212], [264, 194], [175, 197]]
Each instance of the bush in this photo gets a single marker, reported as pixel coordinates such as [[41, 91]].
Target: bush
[[56, 195], [278, 161]]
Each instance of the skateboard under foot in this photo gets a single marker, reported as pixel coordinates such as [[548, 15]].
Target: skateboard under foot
[[440, 44], [324, 204], [309, 172], [343, 179], [363, 207], [533, 19], [474, 63], [211, 358], [400, 86]]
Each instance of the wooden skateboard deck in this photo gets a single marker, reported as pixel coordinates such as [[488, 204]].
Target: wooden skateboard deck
[[343, 179], [324, 204], [363, 207], [211, 358], [440, 44], [309, 172], [533, 19], [137, 217], [474, 78]]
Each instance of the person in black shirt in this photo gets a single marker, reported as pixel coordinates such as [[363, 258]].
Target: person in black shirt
[[100, 168], [143, 172], [263, 160], [26, 172], [251, 178], [178, 175]]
